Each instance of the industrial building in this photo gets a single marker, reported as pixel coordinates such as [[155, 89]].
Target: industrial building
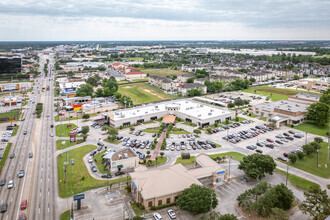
[[190, 111]]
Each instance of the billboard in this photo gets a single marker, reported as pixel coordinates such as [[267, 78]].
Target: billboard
[[9, 87]]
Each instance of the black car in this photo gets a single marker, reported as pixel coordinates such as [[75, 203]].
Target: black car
[[3, 182], [30, 155], [108, 176], [289, 138], [154, 135], [286, 134], [260, 144], [94, 169], [100, 144], [259, 151], [119, 173], [12, 155], [269, 145], [282, 159], [292, 132], [4, 207]]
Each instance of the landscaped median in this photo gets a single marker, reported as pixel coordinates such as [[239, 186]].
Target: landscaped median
[[64, 130], [78, 178], [15, 130], [173, 131], [234, 155], [297, 181], [4, 156]]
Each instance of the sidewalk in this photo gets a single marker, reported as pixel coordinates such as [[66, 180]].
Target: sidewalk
[[159, 144]]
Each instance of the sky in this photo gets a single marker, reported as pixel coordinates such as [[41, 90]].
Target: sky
[[135, 20]]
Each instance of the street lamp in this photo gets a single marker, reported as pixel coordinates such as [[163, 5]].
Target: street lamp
[[306, 138], [317, 157], [287, 174], [328, 153]]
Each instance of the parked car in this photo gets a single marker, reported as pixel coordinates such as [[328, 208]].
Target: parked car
[[259, 151], [171, 214], [292, 132], [119, 173], [23, 204], [269, 140], [107, 175], [22, 216], [12, 155], [157, 216], [100, 144], [282, 159], [30, 155], [94, 169], [93, 153], [24, 132], [285, 154]]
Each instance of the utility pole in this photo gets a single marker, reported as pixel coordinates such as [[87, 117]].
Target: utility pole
[[328, 153]]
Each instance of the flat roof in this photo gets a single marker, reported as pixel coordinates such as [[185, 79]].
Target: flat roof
[[188, 107], [309, 96], [284, 105]]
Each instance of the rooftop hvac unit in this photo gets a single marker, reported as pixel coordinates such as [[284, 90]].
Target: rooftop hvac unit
[[146, 113], [120, 156], [133, 113], [125, 155], [202, 105], [289, 108], [210, 113], [199, 115], [116, 113], [297, 105], [156, 106], [138, 110]]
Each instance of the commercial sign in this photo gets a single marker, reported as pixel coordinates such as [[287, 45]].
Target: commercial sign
[[221, 172], [79, 196], [9, 87]]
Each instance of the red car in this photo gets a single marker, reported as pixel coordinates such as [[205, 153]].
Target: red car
[[22, 216], [285, 154], [269, 140], [23, 204]]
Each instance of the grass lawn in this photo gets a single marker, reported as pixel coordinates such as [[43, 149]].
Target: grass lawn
[[12, 113], [65, 215], [65, 130], [263, 90], [80, 180], [124, 81], [173, 131], [297, 181], [241, 119], [133, 58], [160, 160], [4, 156], [313, 128], [59, 145], [236, 156], [189, 124], [140, 80], [99, 164], [138, 210], [112, 142], [162, 72], [218, 145], [309, 162], [143, 93], [263, 119], [15, 130], [73, 118]]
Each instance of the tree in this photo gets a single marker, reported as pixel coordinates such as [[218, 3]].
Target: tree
[[318, 112], [317, 203], [194, 92], [132, 128], [110, 87], [161, 154], [148, 152], [218, 85], [84, 90], [318, 140], [84, 137], [296, 77], [99, 92], [300, 155], [191, 80], [86, 116], [117, 95], [227, 217], [252, 80], [231, 105], [197, 199], [216, 124], [227, 121], [84, 129], [279, 214], [292, 158], [308, 149], [209, 130], [256, 165], [197, 131], [325, 97], [94, 81]]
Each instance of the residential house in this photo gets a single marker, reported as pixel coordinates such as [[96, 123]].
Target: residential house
[[183, 89]]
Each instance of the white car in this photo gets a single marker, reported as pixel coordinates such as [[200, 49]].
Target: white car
[[157, 216], [90, 160], [10, 184], [51, 134], [171, 213]]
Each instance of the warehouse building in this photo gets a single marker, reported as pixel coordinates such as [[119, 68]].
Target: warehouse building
[[190, 111]]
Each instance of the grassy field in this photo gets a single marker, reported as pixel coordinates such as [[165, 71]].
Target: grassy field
[[143, 93], [313, 128], [65, 215], [160, 160], [309, 162], [15, 130], [4, 156], [80, 180], [162, 72], [140, 80], [297, 181], [235, 156], [124, 81], [59, 145], [9, 114], [327, 56], [65, 130]]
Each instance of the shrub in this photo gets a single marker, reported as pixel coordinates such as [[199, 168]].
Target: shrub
[[162, 206], [120, 127]]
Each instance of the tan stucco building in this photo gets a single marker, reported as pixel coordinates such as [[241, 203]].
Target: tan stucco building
[[155, 187]]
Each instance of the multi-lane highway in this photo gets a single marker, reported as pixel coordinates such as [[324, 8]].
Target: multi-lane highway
[[39, 184]]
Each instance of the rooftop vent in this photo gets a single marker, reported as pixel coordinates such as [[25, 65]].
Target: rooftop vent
[[210, 113], [199, 115], [125, 155], [120, 156]]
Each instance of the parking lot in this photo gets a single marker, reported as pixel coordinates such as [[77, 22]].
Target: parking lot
[[227, 97]]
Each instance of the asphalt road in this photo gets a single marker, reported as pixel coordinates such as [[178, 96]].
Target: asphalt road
[[43, 203], [21, 148]]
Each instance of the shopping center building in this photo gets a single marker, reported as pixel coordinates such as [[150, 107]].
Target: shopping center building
[[202, 115]]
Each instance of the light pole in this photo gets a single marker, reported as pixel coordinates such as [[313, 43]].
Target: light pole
[[317, 157], [328, 153], [287, 174], [306, 138]]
